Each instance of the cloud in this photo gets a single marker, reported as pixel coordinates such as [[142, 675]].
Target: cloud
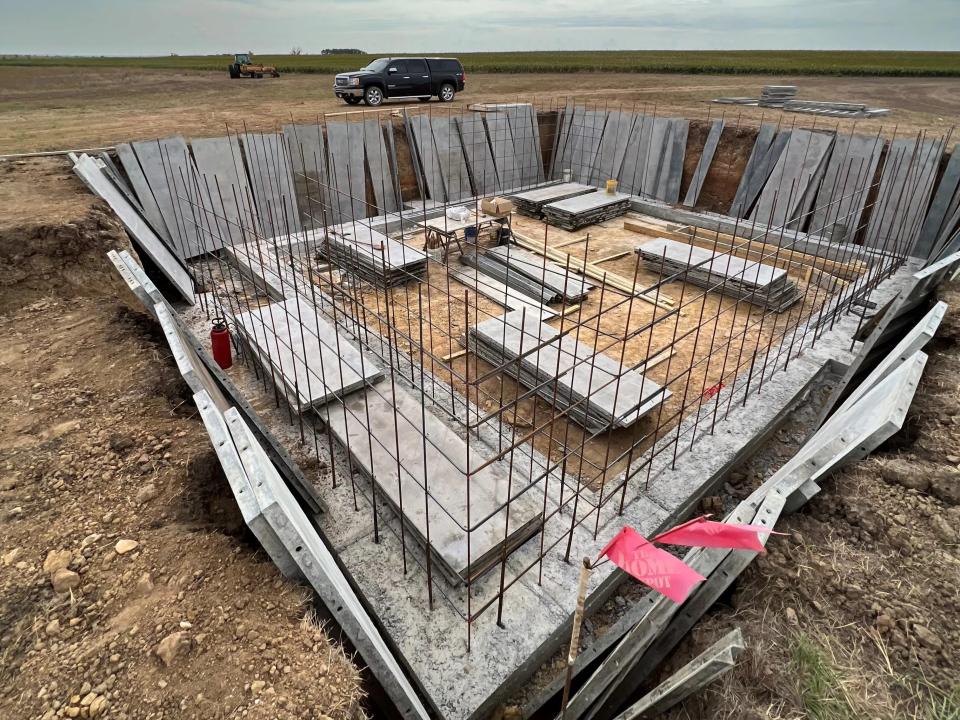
[[211, 26]]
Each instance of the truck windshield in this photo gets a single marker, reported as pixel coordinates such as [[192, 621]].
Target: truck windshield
[[378, 65]]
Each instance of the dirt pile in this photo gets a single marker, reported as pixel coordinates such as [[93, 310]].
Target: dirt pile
[[129, 587]]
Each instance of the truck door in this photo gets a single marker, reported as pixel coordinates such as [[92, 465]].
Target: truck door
[[399, 82], [420, 77]]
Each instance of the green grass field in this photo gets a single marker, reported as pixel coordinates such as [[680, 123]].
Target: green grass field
[[766, 62]]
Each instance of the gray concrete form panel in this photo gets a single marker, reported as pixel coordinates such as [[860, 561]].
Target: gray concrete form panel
[[148, 203], [942, 209], [348, 189], [271, 180], [691, 678], [703, 165], [307, 548], [239, 480], [381, 171], [308, 163], [140, 232], [220, 181], [168, 168]]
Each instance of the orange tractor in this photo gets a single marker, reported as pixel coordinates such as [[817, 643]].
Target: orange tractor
[[243, 66]]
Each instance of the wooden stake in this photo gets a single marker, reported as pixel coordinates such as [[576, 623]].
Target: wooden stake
[[453, 356], [614, 256], [575, 633]]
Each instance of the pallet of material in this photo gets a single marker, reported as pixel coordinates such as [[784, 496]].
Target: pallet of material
[[776, 95], [593, 387], [570, 287], [582, 210], [408, 453], [303, 354], [834, 109], [531, 202], [509, 277], [755, 282], [371, 255]]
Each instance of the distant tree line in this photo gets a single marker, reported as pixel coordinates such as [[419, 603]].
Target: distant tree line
[[341, 51]]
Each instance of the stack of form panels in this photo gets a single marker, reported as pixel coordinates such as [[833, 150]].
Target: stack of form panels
[[582, 210], [371, 255], [594, 388], [776, 95], [303, 354], [419, 463], [570, 287], [833, 109], [531, 202], [748, 280], [533, 289]]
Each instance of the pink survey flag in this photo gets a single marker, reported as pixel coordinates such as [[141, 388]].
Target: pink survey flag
[[701, 532], [652, 566]]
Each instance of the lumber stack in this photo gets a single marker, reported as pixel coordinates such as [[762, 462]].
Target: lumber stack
[[594, 388], [531, 202], [755, 282], [371, 255], [582, 210]]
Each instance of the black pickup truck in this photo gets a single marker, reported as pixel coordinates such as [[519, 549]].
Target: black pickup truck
[[401, 78]]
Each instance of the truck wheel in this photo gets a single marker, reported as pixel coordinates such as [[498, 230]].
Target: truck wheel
[[373, 96], [447, 92]]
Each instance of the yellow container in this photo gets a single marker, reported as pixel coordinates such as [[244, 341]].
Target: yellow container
[[611, 186]]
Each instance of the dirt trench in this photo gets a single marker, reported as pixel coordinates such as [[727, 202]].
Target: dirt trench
[[129, 586]]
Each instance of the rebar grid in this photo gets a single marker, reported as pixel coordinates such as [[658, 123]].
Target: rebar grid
[[717, 349]]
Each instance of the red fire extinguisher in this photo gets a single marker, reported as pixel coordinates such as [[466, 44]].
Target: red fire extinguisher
[[220, 343]]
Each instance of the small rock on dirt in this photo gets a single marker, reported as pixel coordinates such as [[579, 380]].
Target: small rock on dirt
[[64, 580], [57, 560], [173, 646], [125, 545], [147, 493]]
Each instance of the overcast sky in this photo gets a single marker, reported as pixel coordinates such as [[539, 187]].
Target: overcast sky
[[160, 27]]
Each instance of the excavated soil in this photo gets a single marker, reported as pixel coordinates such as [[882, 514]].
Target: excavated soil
[[129, 586]]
